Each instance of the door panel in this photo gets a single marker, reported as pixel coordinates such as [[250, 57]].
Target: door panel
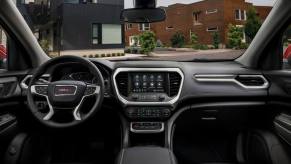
[[283, 127], [280, 100], [11, 104], [9, 87]]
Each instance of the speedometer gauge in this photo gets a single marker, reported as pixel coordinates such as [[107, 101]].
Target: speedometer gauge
[[82, 76]]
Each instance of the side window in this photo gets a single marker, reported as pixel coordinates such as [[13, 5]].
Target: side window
[[3, 49], [287, 49]]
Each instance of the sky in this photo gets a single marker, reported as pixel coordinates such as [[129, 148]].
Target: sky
[[128, 3]]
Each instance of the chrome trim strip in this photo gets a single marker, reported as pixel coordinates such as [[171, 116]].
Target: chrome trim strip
[[147, 131], [51, 109], [76, 112], [230, 78], [22, 83], [127, 102]]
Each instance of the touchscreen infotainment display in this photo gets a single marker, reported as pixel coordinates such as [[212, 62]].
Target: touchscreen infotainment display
[[148, 82]]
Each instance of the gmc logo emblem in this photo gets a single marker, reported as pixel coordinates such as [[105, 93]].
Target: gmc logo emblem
[[65, 90]]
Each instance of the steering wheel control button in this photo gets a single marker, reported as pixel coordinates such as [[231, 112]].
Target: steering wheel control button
[[147, 127], [40, 89], [90, 90]]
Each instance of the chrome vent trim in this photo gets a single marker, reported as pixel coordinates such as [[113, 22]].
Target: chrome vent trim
[[232, 79], [122, 83], [167, 70]]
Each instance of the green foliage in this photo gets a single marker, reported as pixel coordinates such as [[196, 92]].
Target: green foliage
[[45, 45], [135, 38], [96, 55], [178, 40], [90, 56], [253, 23], [200, 47], [235, 36], [127, 50], [147, 41], [194, 39], [216, 40], [244, 46], [287, 36]]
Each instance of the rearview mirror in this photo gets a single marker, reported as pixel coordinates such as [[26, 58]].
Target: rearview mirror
[[147, 15]]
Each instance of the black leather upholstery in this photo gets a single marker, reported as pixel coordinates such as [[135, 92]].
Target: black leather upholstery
[[264, 147], [146, 155]]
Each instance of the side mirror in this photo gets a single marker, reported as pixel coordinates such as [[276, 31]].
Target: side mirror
[[147, 15]]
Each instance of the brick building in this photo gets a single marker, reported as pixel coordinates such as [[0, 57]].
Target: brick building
[[203, 18]]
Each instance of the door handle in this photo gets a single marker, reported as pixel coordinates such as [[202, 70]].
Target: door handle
[[8, 86], [6, 120]]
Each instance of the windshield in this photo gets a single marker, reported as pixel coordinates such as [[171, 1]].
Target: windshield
[[193, 29]]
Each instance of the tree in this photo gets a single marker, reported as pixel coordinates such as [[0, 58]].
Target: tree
[[235, 35], [287, 36], [147, 41], [45, 45], [253, 23], [178, 40], [216, 39], [194, 39], [135, 41]]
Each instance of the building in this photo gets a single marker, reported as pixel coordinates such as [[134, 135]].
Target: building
[[202, 18], [80, 27]]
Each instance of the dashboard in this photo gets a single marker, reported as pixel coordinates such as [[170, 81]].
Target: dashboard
[[155, 90], [166, 83]]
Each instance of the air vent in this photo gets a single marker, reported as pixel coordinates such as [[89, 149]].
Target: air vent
[[251, 80], [122, 83], [174, 82]]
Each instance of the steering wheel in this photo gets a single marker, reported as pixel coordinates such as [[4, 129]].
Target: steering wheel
[[66, 96]]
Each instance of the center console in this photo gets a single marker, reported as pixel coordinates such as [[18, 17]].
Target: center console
[[146, 155], [148, 97]]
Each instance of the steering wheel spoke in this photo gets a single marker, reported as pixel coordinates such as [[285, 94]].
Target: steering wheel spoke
[[89, 91], [41, 90], [51, 112]]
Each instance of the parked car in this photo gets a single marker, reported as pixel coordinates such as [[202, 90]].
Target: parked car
[[3, 52], [287, 53]]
